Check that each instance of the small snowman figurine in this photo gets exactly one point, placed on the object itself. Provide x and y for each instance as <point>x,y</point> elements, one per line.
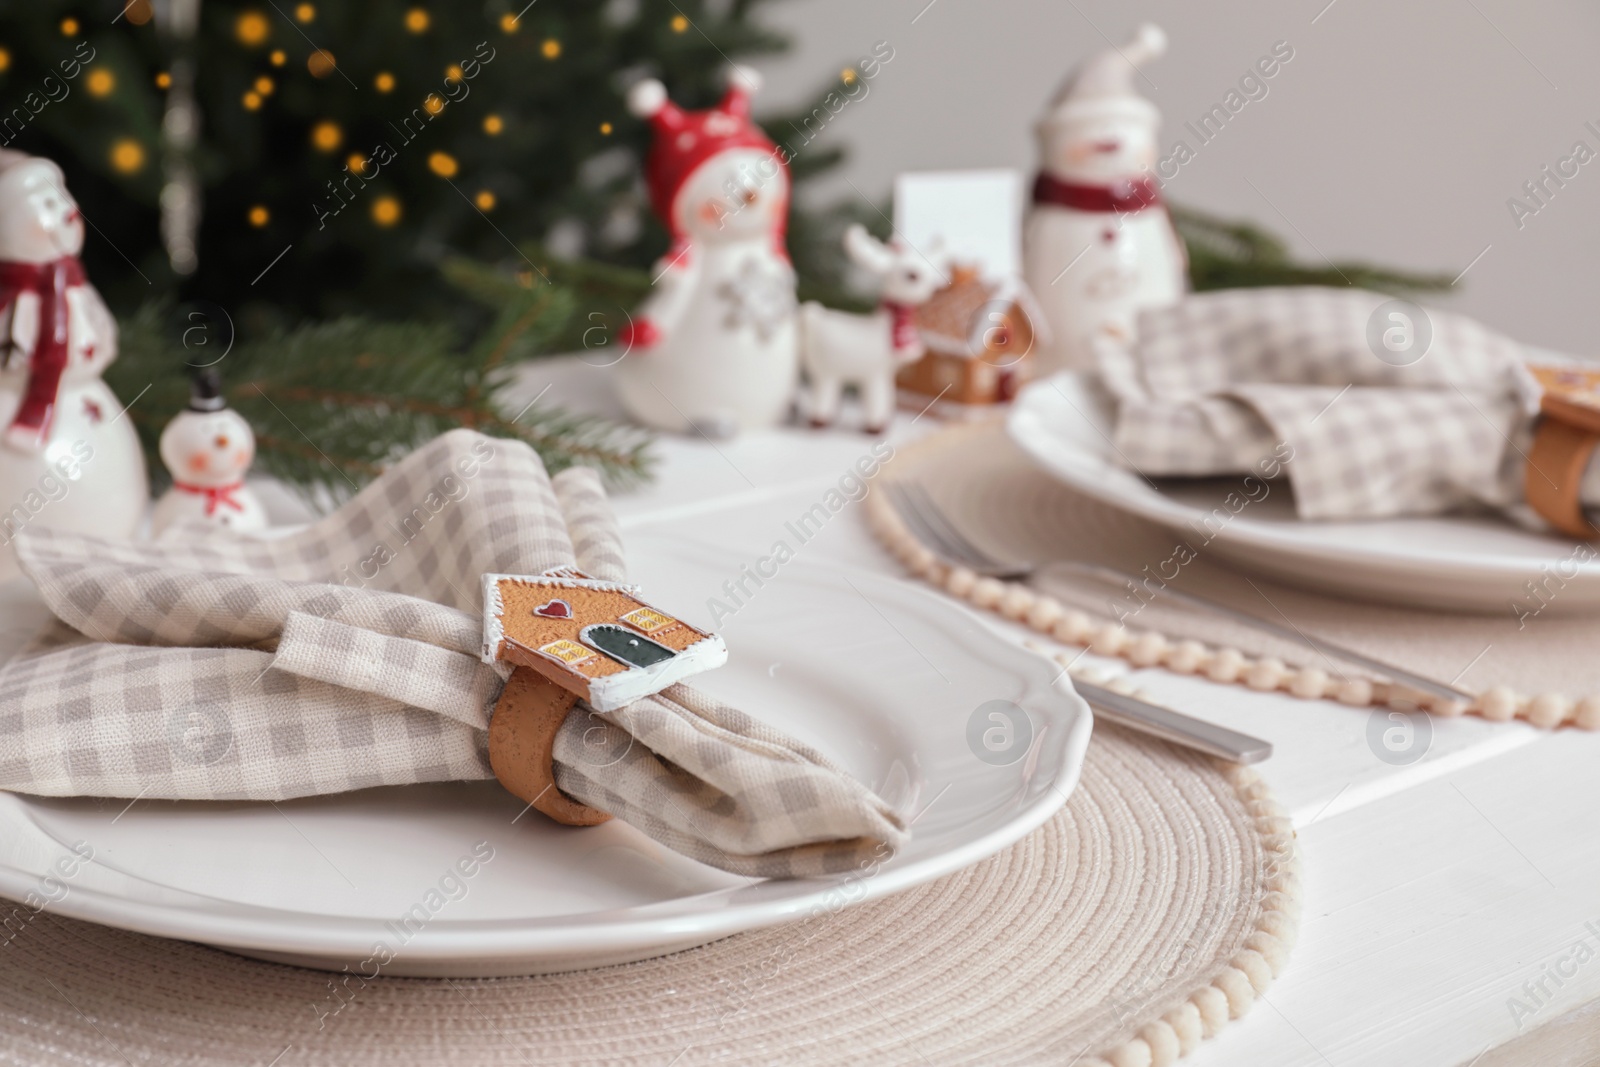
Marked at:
<point>69,460</point>
<point>714,348</point>
<point>208,449</point>
<point>1098,242</point>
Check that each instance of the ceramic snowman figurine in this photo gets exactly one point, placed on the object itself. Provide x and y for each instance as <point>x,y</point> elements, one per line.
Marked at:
<point>68,459</point>
<point>208,450</point>
<point>713,348</point>
<point>1098,242</point>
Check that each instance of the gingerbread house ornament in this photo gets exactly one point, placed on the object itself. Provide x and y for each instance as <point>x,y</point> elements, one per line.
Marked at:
<point>593,638</point>
<point>978,336</point>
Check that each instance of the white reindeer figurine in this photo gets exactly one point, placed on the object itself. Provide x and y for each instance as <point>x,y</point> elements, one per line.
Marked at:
<point>839,348</point>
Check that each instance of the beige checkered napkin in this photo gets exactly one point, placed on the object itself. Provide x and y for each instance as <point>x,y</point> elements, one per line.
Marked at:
<point>1233,381</point>
<point>345,655</point>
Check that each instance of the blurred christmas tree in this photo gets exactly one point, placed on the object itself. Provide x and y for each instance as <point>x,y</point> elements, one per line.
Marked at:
<point>363,143</point>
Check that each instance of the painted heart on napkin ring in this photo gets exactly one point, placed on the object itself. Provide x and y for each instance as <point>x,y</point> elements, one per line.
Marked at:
<point>554,609</point>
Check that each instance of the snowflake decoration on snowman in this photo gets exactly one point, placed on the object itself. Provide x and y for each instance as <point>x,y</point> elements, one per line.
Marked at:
<point>1099,244</point>
<point>208,449</point>
<point>57,417</point>
<point>713,349</point>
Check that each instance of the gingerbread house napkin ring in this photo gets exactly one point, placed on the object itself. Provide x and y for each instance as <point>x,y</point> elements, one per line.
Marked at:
<point>1563,443</point>
<point>569,636</point>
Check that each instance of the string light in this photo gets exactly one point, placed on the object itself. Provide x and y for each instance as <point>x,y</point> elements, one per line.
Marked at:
<point>509,24</point>
<point>252,100</point>
<point>305,12</point>
<point>417,20</point>
<point>493,124</point>
<point>321,63</point>
<point>551,48</point>
<point>384,81</point>
<point>100,83</point>
<point>127,156</point>
<point>138,12</point>
<point>452,73</point>
<point>848,75</point>
<point>355,163</point>
<point>5,59</point>
<point>69,27</point>
<point>605,128</point>
<point>264,85</point>
<point>251,28</point>
<point>278,57</point>
<point>433,104</point>
<point>443,164</point>
<point>679,23</point>
<point>386,211</point>
<point>484,200</point>
<point>259,216</point>
<point>163,80</point>
<point>327,136</point>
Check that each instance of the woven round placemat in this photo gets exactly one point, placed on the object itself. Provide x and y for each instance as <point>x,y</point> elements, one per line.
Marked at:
<point>1539,668</point>
<point>1141,918</point>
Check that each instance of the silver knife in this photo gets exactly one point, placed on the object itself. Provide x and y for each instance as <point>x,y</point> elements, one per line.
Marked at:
<point>1173,726</point>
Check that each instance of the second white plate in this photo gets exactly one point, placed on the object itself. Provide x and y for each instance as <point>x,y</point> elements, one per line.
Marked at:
<point>1463,564</point>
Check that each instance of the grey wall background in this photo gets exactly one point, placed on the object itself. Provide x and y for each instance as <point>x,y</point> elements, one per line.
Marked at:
<point>1396,134</point>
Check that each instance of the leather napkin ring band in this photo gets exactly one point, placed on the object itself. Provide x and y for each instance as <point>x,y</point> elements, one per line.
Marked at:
<point>522,735</point>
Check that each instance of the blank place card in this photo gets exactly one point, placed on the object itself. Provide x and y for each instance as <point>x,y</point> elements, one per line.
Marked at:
<point>976,213</point>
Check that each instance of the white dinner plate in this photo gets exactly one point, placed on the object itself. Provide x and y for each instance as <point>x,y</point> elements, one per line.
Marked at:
<point>883,676</point>
<point>1468,563</point>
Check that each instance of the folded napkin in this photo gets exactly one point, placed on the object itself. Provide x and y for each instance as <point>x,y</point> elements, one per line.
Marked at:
<point>346,655</point>
<point>1267,380</point>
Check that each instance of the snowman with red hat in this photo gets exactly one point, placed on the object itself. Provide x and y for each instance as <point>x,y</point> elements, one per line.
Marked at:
<point>1099,244</point>
<point>68,458</point>
<point>713,349</point>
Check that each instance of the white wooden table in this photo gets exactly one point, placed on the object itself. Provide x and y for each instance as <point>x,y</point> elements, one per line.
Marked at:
<point>1434,892</point>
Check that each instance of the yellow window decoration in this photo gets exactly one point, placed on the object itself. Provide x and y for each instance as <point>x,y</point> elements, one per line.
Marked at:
<point>647,619</point>
<point>568,652</point>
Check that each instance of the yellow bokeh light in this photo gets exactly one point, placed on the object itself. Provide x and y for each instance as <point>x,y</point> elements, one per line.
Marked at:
<point>264,85</point>
<point>386,211</point>
<point>305,12</point>
<point>443,164</point>
<point>259,216</point>
<point>278,57</point>
<point>69,27</point>
<point>509,24</point>
<point>384,81</point>
<point>484,200</point>
<point>138,12</point>
<point>433,104</point>
<point>327,136</point>
<point>551,48</point>
<point>605,128</point>
<point>418,20</point>
<point>452,73</point>
<point>100,83</point>
<point>679,24</point>
<point>493,124</point>
<point>252,100</point>
<point>163,80</point>
<point>251,28</point>
<point>127,156</point>
<point>848,76</point>
<point>321,63</point>
<point>355,164</point>
<point>5,59</point>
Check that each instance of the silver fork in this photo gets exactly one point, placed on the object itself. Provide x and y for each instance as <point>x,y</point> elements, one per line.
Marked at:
<point>1129,711</point>
<point>917,507</point>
